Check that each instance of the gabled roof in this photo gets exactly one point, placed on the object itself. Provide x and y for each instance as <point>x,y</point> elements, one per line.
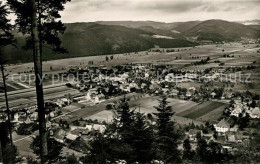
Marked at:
<point>223,123</point>
<point>71,136</point>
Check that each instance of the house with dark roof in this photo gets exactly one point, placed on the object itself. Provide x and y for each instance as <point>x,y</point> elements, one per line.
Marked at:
<point>58,134</point>
<point>222,127</point>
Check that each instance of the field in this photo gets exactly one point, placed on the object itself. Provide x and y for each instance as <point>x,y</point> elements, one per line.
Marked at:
<point>84,110</point>
<point>25,96</point>
<point>242,56</point>
<point>146,105</point>
<point>24,149</point>
<point>22,142</point>
<point>210,110</point>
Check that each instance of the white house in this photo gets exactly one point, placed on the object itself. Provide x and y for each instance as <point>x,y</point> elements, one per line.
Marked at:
<point>71,137</point>
<point>96,127</point>
<point>99,98</point>
<point>222,127</point>
<point>254,113</point>
<point>213,94</point>
<point>237,110</point>
<point>92,93</point>
<point>16,117</point>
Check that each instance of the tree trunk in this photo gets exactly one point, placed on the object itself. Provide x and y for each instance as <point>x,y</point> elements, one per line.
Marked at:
<point>38,85</point>
<point>1,152</point>
<point>7,105</point>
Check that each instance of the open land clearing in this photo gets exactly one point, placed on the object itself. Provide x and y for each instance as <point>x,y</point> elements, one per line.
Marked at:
<point>25,96</point>
<point>241,54</point>
<point>146,105</point>
<point>204,110</point>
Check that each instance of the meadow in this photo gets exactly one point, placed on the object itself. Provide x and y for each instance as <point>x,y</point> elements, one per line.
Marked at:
<point>206,111</point>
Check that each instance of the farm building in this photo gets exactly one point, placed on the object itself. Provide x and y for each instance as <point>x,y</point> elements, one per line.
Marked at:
<point>222,127</point>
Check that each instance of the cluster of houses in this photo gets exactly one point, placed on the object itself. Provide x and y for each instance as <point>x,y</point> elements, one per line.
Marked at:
<point>231,134</point>
<point>146,78</point>
<point>242,109</point>
<point>83,131</point>
<point>155,79</point>
<point>229,137</point>
<point>28,113</point>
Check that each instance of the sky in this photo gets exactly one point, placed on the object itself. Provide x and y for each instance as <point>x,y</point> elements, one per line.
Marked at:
<point>160,10</point>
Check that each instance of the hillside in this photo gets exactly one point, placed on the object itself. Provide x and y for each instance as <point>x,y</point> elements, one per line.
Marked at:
<point>94,39</point>
<point>178,26</point>
<point>250,22</point>
<point>257,27</point>
<point>184,26</point>
<point>163,32</point>
<point>219,30</point>
<point>136,24</point>
<point>86,39</point>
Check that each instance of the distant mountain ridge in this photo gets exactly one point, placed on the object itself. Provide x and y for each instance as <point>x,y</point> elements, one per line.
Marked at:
<point>250,22</point>
<point>219,30</point>
<point>179,26</point>
<point>102,38</point>
<point>89,39</point>
<point>214,30</point>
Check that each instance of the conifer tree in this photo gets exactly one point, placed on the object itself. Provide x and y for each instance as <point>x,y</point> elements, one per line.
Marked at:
<point>187,152</point>
<point>124,118</point>
<point>54,148</point>
<point>123,126</point>
<point>202,150</point>
<point>167,136</point>
<point>38,19</point>
<point>8,151</point>
<point>6,38</point>
<point>143,140</point>
<point>100,150</point>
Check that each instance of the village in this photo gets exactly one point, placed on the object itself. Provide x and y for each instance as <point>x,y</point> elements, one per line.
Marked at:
<point>129,82</point>
<point>204,100</point>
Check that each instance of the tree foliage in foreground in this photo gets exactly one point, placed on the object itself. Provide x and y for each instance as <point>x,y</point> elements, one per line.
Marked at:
<point>38,19</point>
<point>8,150</point>
<point>54,148</point>
<point>167,139</point>
<point>48,26</point>
<point>129,137</point>
<point>6,37</point>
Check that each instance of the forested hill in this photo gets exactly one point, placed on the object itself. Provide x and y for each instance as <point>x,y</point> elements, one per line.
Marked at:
<point>102,38</point>
<point>85,39</point>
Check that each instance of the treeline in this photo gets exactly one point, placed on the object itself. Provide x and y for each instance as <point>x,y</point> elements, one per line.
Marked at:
<point>173,43</point>
<point>133,137</point>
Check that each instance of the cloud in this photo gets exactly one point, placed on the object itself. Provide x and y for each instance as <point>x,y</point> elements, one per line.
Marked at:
<point>160,10</point>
